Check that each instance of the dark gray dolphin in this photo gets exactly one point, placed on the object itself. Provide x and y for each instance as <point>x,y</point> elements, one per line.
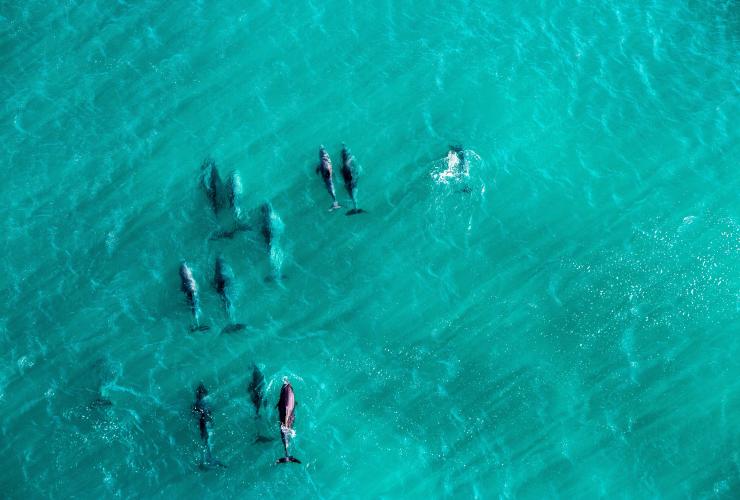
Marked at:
<point>190,289</point>
<point>212,184</point>
<point>286,409</point>
<point>350,174</point>
<point>234,194</point>
<point>202,410</point>
<point>223,280</point>
<point>105,372</point>
<point>256,389</point>
<point>324,168</point>
<point>266,228</point>
<point>457,161</point>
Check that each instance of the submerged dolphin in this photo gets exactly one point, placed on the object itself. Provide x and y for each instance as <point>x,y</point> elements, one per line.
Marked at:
<point>105,373</point>
<point>286,409</point>
<point>234,194</point>
<point>350,174</point>
<point>271,227</point>
<point>190,288</point>
<point>212,184</point>
<point>266,226</point>
<point>223,279</point>
<point>205,423</point>
<point>324,168</point>
<point>256,389</point>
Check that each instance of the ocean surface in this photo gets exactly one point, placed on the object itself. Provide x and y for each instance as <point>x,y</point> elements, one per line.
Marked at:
<point>558,319</point>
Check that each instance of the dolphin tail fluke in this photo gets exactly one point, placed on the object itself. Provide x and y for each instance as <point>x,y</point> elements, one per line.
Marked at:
<point>220,235</point>
<point>200,328</point>
<point>229,234</point>
<point>233,327</point>
<point>335,206</point>
<point>211,463</point>
<point>289,458</point>
<point>100,402</point>
<point>356,211</point>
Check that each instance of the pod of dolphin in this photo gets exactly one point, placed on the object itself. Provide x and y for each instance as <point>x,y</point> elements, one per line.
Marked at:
<point>270,227</point>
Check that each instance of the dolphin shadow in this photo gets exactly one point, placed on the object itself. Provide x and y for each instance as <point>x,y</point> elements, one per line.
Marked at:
<point>260,439</point>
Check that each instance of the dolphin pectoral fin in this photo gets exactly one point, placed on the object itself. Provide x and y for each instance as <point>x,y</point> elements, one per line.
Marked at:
<point>234,327</point>
<point>285,460</point>
<point>356,211</point>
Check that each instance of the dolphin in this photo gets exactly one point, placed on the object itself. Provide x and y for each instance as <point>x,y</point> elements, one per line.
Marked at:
<point>350,174</point>
<point>324,168</point>
<point>105,373</point>
<point>286,408</point>
<point>458,164</point>
<point>235,195</point>
<point>106,377</point>
<point>202,410</point>
<point>190,288</point>
<point>223,279</point>
<point>267,222</point>
<point>212,184</point>
<point>256,389</point>
<point>271,227</point>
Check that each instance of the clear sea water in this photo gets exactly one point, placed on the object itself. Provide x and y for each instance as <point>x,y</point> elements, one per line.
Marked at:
<point>563,322</point>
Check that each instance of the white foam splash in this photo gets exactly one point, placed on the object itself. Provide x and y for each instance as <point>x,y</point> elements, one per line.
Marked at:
<point>451,169</point>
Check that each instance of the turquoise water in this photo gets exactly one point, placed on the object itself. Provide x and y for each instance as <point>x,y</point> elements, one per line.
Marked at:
<point>561,322</point>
